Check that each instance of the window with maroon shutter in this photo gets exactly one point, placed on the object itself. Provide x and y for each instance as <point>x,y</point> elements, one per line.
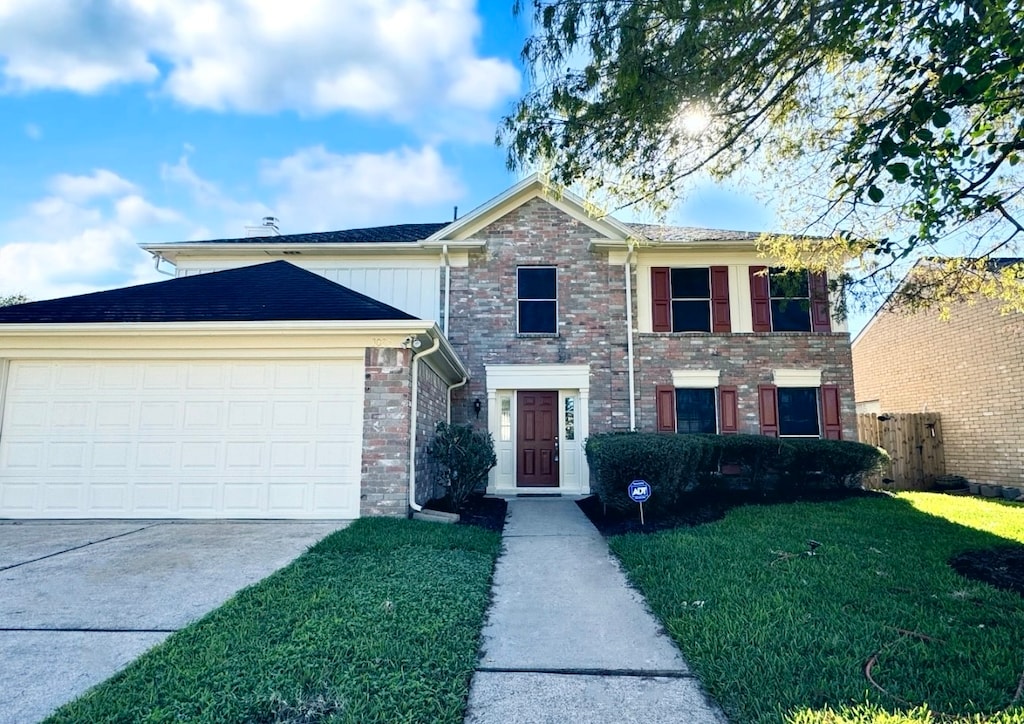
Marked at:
<point>721,320</point>
<point>768,409</point>
<point>728,413</point>
<point>661,300</point>
<point>666,408</point>
<point>821,320</point>
<point>830,412</point>
<point>759,300</point>
<point>690,299</point>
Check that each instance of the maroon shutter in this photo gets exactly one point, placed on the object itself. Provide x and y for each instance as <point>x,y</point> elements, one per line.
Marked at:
<point>666,397</point>
<point>760,303</point>
<point>720,320</point>
<point>661,299</point>
<point>821,320</point>
<point>728,417</point>
<point>833,422</point>
<point>768,407</point>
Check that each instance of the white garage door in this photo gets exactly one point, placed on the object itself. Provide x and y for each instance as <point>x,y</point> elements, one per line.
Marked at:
<point>184,439</point>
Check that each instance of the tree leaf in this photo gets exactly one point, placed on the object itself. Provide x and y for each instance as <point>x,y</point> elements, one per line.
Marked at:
<point>875,194</point>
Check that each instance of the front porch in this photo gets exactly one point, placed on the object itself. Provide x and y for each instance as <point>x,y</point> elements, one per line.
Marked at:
<point>538,416</point>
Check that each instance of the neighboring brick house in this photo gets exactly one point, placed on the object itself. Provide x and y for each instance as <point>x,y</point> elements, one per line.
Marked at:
<point>544,325</point>
<point>969,369</point>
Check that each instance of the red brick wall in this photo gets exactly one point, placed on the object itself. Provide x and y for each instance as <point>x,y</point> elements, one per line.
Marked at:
<point>970,370</point>
<point>386,430</point>
<point>591,310</point>
<point>592,328</point>
<point>746,361</point>
<point>431,409</point>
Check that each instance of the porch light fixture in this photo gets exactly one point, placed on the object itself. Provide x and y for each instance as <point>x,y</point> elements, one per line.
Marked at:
<point>476,407</point>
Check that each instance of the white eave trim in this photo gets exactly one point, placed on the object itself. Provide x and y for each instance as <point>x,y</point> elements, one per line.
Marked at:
<point>260,247</point>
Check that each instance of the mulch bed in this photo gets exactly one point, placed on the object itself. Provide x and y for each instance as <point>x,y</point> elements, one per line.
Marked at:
<point>479,510</point>
<point>702,510</point>
<point>1002,567</point>
<point>614,522</point>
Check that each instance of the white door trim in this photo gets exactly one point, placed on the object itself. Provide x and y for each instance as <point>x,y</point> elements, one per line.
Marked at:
<point>568,380</point>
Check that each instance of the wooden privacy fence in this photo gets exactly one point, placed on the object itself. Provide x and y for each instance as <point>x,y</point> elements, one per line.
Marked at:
<point>913,441</point>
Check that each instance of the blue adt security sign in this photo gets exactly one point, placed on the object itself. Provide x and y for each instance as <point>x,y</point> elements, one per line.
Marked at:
<point>639,491</point>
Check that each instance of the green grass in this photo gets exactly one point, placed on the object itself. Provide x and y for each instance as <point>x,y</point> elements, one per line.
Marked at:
<point>777,635</point>
<point>376,623</point>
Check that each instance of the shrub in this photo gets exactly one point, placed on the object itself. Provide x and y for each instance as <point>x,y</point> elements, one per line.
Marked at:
<point>463,457</point>
<point>670,463</point>
<point>679,466</point>
<point>755,458</point>
<point>828,464</point>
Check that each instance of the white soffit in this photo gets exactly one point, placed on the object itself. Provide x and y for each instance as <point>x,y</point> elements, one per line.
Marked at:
<point>796,378</point>
<point>695,378</point>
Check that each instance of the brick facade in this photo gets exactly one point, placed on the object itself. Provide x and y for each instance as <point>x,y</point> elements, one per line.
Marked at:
<point>744,361</point>
<point>431,408</point>
<point>970,370</point>
<point>591,299</point>
<point>386,429</point>
<point>592,329</point>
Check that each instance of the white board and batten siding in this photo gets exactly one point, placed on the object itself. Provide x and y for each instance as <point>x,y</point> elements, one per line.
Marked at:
<point>181,439</point>
<point>412,286</point>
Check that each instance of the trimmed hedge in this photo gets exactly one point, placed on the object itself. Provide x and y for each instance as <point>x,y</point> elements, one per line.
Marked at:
<point>679,466</point>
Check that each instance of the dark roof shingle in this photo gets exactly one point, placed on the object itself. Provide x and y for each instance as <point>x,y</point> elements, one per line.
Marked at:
<point>370,235</point>
<point>276,291</point>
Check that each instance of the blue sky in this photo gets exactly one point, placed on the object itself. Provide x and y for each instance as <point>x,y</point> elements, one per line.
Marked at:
<point>125,121</point>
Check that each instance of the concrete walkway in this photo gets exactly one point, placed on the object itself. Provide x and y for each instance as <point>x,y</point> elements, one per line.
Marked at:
<point>568,640</point>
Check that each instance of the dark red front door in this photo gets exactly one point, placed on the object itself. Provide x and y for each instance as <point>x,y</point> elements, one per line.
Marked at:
<point>537,439</point>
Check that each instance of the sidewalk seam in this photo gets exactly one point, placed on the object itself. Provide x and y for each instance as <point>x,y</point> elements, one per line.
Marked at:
<point>640,673</point>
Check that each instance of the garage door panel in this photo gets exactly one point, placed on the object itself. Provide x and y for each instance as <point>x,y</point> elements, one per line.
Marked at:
<point>267,441</point>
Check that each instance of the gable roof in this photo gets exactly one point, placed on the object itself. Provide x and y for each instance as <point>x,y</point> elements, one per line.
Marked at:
<point>276,291</point>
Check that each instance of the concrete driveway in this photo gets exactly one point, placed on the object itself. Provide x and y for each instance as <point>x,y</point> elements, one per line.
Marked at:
<point>81,599</point>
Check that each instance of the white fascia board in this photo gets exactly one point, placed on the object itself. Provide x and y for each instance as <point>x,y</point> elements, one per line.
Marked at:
<point>515,196</point>
<point>171,252</point>
<point>361,327</point>
<point>18,340</point>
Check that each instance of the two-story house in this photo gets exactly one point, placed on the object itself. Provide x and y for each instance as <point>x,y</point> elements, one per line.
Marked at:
<point>308,387</point>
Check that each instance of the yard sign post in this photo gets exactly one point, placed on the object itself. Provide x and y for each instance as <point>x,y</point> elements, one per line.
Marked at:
<point>639,491</point>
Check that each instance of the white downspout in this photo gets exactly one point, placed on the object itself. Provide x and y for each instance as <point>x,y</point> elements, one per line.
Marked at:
<point>447,296</point>
<point>456,386</point>
<point>629,334</point>
<point>156,265</point>
<point>414,420</point>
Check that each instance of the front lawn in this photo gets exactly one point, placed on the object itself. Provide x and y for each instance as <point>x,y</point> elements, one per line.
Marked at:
<point>376,623</point>
<point>873,625</point>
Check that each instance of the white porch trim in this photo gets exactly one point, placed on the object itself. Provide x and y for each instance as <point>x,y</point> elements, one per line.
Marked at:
<point>503,382</point>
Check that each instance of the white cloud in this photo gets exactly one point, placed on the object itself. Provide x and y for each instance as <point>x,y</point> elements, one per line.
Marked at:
<point>102,183</point>
<point>81,237</point>
<point>322,190</point>
<point>390,57</point>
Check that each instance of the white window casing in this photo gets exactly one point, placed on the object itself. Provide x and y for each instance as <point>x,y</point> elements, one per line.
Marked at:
<point>796,378</point>
<point>703,379</point>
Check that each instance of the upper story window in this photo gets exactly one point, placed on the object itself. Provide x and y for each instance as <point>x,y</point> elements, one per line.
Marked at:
<point>789,301</point>
<point>537,292</point>
<point>790,298</point>
<point>690,299</point>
